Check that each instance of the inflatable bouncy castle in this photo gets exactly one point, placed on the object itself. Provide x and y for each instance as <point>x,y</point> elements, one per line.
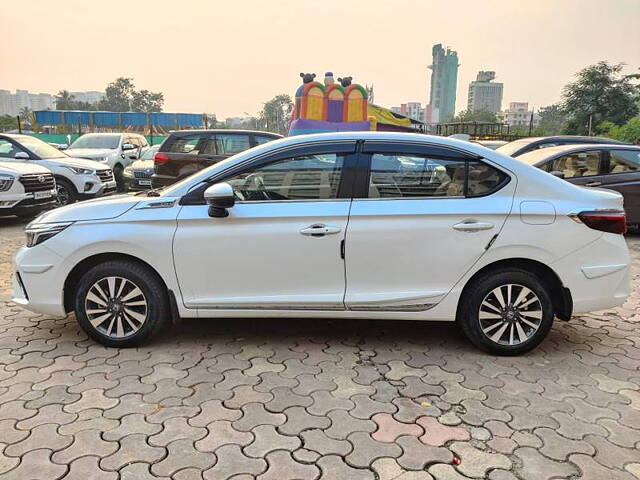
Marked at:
<point>330,107</point>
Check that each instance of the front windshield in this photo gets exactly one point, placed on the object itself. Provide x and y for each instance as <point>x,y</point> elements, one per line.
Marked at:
<point>148,155</point>
<point>40,148</point>
<point>97,141</point>
<point>512,147</point>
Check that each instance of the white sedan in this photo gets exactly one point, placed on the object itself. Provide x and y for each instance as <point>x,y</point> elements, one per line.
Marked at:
<point>347,225</point>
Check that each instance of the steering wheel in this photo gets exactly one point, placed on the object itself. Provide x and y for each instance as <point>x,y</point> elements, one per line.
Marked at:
<point>255,183</point>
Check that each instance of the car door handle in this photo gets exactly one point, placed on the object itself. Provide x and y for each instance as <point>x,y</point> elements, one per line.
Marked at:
<point>320,230</point>
<point>472,226</point>
<point>593,184</point>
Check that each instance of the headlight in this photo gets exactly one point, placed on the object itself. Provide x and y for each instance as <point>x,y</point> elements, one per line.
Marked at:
<point>81,171</point>
<point>39,232</point>
<point>5,182</point>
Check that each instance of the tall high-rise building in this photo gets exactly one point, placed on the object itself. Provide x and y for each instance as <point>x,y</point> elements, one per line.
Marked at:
<point>485,94</point>
<point>12,103</point>
<point>444,81</point>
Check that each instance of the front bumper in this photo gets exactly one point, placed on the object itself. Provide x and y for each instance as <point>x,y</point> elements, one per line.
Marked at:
<point>25,203</point>
<point>137,184</point>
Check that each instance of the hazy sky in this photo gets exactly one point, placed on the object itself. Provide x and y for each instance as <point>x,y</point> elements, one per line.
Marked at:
<point>228,57</point>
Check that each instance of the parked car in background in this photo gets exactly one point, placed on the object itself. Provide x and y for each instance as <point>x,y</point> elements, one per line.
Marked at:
<point>76,178</point>
<point>26,188</point>
<point>492,144</point>
<point>137,176</point>
<point>116,150</point>
<point>344,225</point>
<point>185,152</point>
<point>524,145</point>
<point>608,166</point>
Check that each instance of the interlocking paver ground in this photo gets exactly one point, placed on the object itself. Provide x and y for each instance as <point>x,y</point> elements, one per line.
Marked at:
<point>316,399</point>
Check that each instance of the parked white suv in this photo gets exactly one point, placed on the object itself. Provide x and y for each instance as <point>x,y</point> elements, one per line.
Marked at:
<point>343,225</point>
<point>117,150</point>
<point>26,189</point>
<point>76,178</point>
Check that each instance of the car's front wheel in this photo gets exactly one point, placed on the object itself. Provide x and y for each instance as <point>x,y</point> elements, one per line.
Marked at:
<point>507,312</point>
<point>65,192</point>
<point>121,303</point>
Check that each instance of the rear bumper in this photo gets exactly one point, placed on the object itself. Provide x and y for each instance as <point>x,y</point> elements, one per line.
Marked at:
<point>597,275</point>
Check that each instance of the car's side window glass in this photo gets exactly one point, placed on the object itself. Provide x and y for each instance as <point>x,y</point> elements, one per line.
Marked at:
<point>405,176</point>
<point>624,161</point>
<point>7,149</point>
<point>184,144</point>
<point>229,144</point>
<point>309,177</point>
<point>260,140</point>
<point>483,179</point>
<point>581,164</point>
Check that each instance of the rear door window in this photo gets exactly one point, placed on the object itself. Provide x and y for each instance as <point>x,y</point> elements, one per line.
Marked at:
<point>624,161</point>
<point>230,144</point>
<point>191,144</point>
<point>579,164</point>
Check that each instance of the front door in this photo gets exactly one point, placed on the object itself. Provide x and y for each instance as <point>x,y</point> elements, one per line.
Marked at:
<point>280,245</point>
<point>429,215</point>
<point>622,173</point>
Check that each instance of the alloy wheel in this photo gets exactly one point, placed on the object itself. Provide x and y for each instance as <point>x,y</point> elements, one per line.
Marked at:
<point>510,314</point>
<point>116,307</point>
<point>62,195</point>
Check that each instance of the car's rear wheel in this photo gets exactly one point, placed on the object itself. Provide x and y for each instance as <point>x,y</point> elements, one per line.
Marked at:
<point>65,192</point>
<point>121,303</point>
<point>507,312</point>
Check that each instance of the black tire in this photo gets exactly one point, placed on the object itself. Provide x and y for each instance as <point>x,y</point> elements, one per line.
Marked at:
<point>118,175</point>
<point>517,320</point>
<point>66,192</point>
<point>154,293</point>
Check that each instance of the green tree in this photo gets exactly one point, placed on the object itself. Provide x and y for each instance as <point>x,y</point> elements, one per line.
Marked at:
<point>26,115</point>
<point>8,122</point>
<point>64,100</point>
<point>600,93</point>
<point>118,95</point>
<point>146,101</point>
<point>469,115</point>
<point>552,120</point>
<point>276,114</point>
<point>629,132</point>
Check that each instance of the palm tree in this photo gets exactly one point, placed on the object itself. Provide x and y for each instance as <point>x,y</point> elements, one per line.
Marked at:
<point>26,115</point>
<point>64,100</point>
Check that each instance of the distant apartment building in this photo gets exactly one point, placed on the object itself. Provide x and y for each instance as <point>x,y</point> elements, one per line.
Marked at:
<point>12,103</point>
<point>91,97</point>
<point>518,115</point>
<point>485,94</point>
<point>444,81</point>
<point>412,110</point>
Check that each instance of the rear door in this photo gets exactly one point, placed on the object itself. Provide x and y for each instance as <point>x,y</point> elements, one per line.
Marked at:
<point>622,173</point>
<point>425,215</point>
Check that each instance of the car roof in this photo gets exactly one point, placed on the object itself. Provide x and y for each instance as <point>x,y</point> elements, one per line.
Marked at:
<point>584,146</point>
<point>225,130</point>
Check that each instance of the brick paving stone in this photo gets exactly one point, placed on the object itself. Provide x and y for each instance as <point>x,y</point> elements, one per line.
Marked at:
<point>87,468</point>
<point>389,428</point>
<point>591,470</point>
<point>324,402</point>
<point>231,461</point>
<point>42,436</point>
<point>619,434</point>
<point>611,385</point>
<point>88,420</point>
<point>267,439</point>
<point>334,467</point>
<point>571,427</point>
<point>87,441</point>
<point>47,414</point>
<point>409,410</point>
<point>36,465</point>
<point>306,456</point>
<point>347,388</point>
<point>436,434</point>
<point>502,475</point>
<point>213,410</point>
<point>610,455</point>
<point>176,429</point>
<point>58,394</point>
<point>182,454</point>
<point>533,463</point>
<point>440,471</point>
<point>261,365</point>
<point>188,474</point>
<point>298,419</point>
<point>9,433</point>
<point>559,448</point>
<point>93,398</point>
<point>366,450</point>
<point>284,397</point>
<point>365,407</point>
<point>475,463</point>
<point>633,469</point>
<point>416,455</point>
<point>131,424</point>
<point>282,465</point>
<point>343,424</point>
<point>247,394</point>
<point>526,439</point>
<point>7,463</point>
<point>221,432</point>
<point>502,445</point>
<point>125,385</point>
<point>161,414</point>
<point>478,412</point>
<point>400,370</point>
<point>416,387</point>
<point>308,384</point>
<point>133,448</point>
<point>525,419</point>
<point>254,415</point>
<point>318,441</point>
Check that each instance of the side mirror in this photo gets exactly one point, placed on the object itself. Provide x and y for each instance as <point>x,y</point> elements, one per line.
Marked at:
<point>21,156</point>
<point>557,173</point>
<point>128,146</point>
<point>219,197</point>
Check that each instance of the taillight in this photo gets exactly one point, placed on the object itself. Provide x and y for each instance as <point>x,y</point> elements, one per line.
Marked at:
<point>612,221</point>
<point>161,158</point>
